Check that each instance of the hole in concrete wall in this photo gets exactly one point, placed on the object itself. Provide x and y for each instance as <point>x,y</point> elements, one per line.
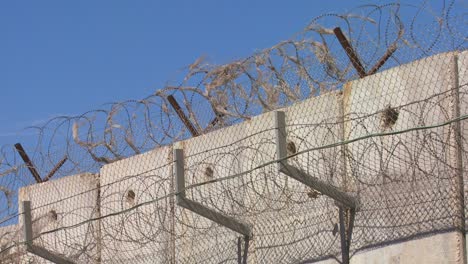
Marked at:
<point>313,194</point>
<point>291,148</point>
<point>389,117</point>
<point>130,197</point>
<point>53,215</point>
<point>209,172</point>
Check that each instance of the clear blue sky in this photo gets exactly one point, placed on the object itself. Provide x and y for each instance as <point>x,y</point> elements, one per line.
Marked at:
<point>67,57</point>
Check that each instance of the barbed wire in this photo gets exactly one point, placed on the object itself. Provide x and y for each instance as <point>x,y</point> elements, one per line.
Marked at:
<point>338,142</point>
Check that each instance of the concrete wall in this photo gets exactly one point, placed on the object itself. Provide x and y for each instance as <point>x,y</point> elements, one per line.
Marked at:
<point>141,235</point>
<point>264,198</point>
<point>442,248</point>
<point>9,238</point>
<point>463,91</point>
<point>62,203</point>
<point>209,157</point>
<point>285,205</point>
<point>407,183</point>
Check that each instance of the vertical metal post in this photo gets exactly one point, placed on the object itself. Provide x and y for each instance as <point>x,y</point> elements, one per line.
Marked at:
<point>179,172</point>
<point>350,226</point>
<point>27,224</point>
<point>346,216</point>
<point>343,235</point>
<point>239,250</point>
<point>280,125</point>
<point>246,249</point>
<point>458,145</point>
<point>172,222</point>
<point>242,257</point>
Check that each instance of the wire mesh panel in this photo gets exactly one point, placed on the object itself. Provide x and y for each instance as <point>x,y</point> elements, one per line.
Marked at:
<point>212,158</point>
<point>406,182</point>
<point>462,64</point>
<point>12,252</point>
<point>62,211</point>
<point>395,148</point>
<point>138,209</point>
<point>311,124</point>
<point>375,106</point>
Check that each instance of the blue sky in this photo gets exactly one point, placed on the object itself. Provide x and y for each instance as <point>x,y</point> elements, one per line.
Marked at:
<point>68,57</point>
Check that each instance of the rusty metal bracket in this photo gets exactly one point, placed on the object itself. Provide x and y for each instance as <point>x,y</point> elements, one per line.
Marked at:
<point>182,116</point>
<point>55,169</point>
<point>32,169</point>
<point>352,55</point>
<point>384,59</point>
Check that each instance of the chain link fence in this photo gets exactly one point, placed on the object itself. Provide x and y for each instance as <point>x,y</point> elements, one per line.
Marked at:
<point>377,114</point>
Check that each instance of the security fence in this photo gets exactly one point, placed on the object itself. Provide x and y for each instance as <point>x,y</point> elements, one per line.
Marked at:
<point>343,139</point>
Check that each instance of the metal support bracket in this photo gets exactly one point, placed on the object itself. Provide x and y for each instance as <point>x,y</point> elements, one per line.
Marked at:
<point>347,203</point>
<point>32,169</point>
<point>182,116</point>
<point>198,208</point>
<point>353,57</point>
<point>242,258</point>
<point>346,216</point>
<point>55,169</point>
<point>29,164</point>
<point>28,238</point>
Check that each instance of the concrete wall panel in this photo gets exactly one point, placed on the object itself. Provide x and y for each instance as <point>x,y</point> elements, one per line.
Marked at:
<point>285,205</point>
<point>138,234</point>
<point>211,157</point>
<point>463,92</point>
<point>62,203</point>
<point>405,181</point>
<point>441,248</point>
<point>11,251</point>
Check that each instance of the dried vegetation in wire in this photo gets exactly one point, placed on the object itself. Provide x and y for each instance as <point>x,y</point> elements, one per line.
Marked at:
<point>382,144</point>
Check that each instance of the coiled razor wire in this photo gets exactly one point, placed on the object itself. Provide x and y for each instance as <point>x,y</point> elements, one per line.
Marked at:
<point>309,65</point>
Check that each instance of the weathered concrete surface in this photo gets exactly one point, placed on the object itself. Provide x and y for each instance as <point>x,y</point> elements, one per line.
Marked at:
<point>10,236</point>
<point>442,248</point>
<point>263,185</point>
<point>284,204</point>
<point>209,157</point>
<point>140,235</point>
<point>62,203</point>
<point>406,182</point>
<point>463,92</point>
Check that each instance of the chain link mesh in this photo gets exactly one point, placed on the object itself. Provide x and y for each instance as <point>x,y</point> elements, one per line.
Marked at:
<point>394,139</point>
